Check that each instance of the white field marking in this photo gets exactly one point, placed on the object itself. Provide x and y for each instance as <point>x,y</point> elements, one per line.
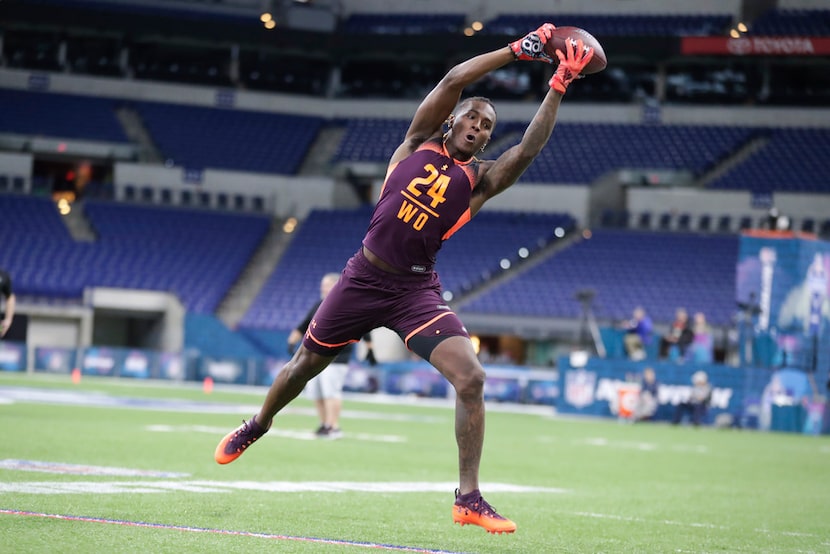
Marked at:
<point>633,519</point>
<point>9,395</point>
<point>213,487</point>
<point>270,536</point>
<point>79,469</point>
<point>644,446</point>
<point>281,433</point>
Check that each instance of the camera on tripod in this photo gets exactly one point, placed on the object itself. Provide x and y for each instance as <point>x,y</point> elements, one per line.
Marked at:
<point>585,295</point>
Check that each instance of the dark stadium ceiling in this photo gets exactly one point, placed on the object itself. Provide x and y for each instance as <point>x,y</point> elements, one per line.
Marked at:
<point>225,23</point>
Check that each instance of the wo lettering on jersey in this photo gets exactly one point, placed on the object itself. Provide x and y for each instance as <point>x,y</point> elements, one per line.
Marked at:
<point>414,209</point>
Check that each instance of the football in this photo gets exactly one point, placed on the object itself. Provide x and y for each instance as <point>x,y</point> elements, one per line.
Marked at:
<point>557,42</point>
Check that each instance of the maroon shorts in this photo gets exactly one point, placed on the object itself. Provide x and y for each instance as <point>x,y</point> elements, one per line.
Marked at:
<point>367,297</point>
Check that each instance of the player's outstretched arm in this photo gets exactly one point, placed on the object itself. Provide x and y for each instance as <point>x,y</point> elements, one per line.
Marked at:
<point>509,166</point>
<point>439,103</point>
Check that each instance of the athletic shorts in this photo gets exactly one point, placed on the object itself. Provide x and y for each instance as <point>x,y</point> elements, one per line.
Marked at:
<point>367,297</point>
<point>328,383</point>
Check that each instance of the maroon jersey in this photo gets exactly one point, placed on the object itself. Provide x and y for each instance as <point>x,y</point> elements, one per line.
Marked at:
<point>424,200</point>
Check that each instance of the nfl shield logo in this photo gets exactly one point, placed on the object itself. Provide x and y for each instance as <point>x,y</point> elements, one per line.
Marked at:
<point>579,387</point>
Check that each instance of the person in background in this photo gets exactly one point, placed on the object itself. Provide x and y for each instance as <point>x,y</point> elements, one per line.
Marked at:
<point>680,335</point>
<point>647,399</point>
<point>7,314</point>
<point>698,401</point>
<point>326,388</point>
<point>638,334</point>
<point>702,349</point>
<point>435,184</point>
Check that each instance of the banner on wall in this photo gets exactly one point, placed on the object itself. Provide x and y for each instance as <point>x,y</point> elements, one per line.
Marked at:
<point>225,370</point>
<point>12,356</point>
<point>99,361</point>
<point>171,366</point>
<point>137,364</point>
<point>595,389</point>
<point>786,279</point>
<point>53,359</point>
<point>755,46</point>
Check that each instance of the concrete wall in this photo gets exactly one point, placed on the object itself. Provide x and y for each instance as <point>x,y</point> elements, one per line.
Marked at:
<point>720,202</point>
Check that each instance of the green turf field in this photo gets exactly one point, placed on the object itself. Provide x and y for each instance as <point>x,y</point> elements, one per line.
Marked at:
<point>120,472</point>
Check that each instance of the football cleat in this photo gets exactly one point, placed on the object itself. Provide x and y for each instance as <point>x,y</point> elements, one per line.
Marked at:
<point>237,441</point>
<point>473,509</point>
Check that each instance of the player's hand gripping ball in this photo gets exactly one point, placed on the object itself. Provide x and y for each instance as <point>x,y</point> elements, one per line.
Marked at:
<point>558,41</point>
<point>532,45</point>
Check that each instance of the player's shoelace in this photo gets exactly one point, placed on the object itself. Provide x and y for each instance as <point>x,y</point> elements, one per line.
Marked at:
<point>244,437</point>
<point>481,506</point>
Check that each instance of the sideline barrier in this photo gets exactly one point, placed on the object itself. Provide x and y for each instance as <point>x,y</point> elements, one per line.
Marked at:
<point>12,356</point>
<point>776,400</point>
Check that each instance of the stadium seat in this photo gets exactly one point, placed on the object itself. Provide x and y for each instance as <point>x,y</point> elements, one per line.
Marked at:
<point>18,184</point>
<point>808,225</point>
<point>644,221</point>
<point>148,194</point>
<point>664,224</point>
<point>704,224</point>
<point>657,270</point>
<point>166,196</point>
<point>724,224</point>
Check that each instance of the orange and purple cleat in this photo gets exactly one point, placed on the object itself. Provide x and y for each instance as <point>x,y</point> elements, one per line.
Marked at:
<point>237,441</point>
<point>473,509</point>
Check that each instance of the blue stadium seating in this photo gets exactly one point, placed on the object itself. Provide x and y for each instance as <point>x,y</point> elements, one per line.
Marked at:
<point>199,137</point>
<point>475,252</point>
<point>196,255</point>
<point>608,146</point>
<point>615,146</point>
<point>59,116</point>
<point>471,255</point>
<point>801,23</point>
<point>659,271</point>
<point>370,139</point>
<point>794,160</point>
<point>323,244</point>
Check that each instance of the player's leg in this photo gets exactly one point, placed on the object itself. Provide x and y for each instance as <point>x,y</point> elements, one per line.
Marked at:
<point>446,345</point>
<point>331,390</point>
<point>455,359</point>
<point>288,384</point>
<point>314,393</point>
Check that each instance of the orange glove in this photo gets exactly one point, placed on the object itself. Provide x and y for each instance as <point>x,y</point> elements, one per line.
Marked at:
<point>532,45</point>
<point>570,65</point>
